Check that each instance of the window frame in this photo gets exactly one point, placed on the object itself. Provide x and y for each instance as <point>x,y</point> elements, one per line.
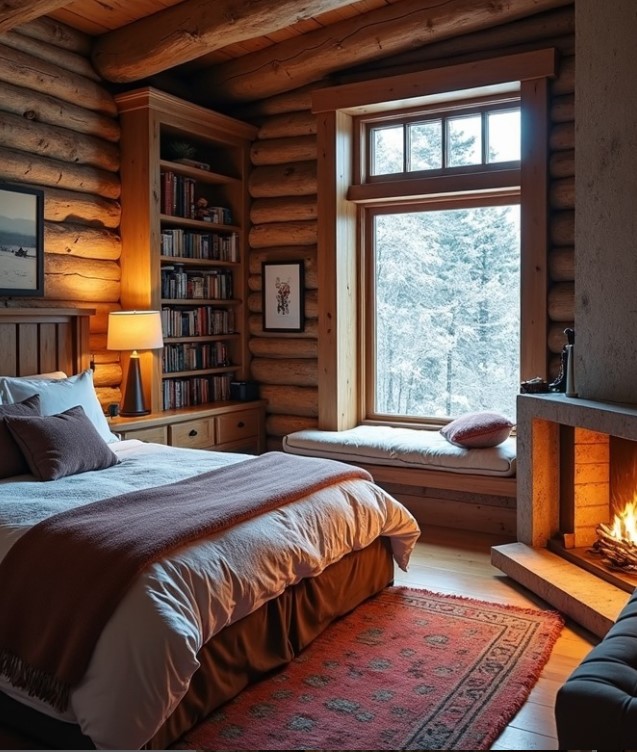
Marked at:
<point>367,347</point>
<point>339,379</point>
<point>365,125</point>
<point>425,190</point>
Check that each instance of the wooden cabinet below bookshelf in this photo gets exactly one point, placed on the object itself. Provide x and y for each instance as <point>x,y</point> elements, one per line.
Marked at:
<point>228,426</point>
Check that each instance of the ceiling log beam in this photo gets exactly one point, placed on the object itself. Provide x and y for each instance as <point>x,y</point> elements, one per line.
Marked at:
<point>16,12</point>
<point>395,28</point>
<point>186,31</point>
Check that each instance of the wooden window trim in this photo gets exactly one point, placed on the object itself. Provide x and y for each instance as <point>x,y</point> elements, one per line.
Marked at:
<point>340,401</point>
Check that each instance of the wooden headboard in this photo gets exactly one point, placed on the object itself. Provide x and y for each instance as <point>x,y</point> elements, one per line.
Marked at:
<point>37,340</point>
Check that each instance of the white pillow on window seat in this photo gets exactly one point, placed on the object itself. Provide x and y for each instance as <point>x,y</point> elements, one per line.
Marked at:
<point>58,395</point>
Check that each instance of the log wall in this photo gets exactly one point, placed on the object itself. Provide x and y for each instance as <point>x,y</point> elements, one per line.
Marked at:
<point>283,187</point>
<point>59,132</point>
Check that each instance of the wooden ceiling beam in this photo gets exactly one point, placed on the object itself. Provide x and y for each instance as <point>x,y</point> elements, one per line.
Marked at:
<point>193,28</point>
<point>402,26</point>
<point>16,12</point>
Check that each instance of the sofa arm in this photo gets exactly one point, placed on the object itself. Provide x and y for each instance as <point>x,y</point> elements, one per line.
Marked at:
<point>596,708</point>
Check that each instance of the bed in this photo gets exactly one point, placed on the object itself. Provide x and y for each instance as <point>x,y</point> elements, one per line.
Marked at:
<point>209,617</point>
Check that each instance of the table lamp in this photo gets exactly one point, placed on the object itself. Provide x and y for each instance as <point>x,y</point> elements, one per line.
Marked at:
<point>134,330</point>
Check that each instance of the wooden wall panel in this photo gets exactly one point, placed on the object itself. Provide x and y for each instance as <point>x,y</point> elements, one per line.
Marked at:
<point>59,132</point>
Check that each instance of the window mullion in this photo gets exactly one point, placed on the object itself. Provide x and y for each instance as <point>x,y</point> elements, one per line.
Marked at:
<point>406,147</point>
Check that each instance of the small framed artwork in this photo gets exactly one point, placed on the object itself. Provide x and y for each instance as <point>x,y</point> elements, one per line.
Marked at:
<point>21,240</point>
<point>283,296</point>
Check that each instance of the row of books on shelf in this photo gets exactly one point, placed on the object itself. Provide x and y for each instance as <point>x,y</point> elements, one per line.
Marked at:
<point>193,357</point>
<point>178,282</point>
<point>200,321</point>
<point>213,246</point>
<point>178,200</point>
<point>196,390</point>
<point>178,195</point>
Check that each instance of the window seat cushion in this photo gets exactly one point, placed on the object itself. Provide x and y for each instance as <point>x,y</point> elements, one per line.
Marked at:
<point>403,447</point>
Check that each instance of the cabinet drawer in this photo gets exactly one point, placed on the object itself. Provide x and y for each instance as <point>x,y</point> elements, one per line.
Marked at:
<point>193,434</point>
<point>156,435</point>
<point>236,426</point>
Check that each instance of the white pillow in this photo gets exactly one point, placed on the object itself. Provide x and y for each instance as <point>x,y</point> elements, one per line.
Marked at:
<point>49,375</point>
<point>58,395</point>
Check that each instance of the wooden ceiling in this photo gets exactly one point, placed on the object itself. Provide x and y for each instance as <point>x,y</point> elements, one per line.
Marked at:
<point>238,51</point>
<point>96,17</point>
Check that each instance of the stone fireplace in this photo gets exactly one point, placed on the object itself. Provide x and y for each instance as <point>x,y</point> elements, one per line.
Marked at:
<point>576,469</point>
<point>554,504</point>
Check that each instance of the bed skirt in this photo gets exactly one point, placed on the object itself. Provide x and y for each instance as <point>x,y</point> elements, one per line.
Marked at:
<point>243,652</point>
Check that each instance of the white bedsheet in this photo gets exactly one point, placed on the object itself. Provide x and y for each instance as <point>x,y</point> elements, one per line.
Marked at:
<point>147,653</point>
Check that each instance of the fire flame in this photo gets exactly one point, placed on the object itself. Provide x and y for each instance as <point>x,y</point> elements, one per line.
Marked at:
<point>624,524</point>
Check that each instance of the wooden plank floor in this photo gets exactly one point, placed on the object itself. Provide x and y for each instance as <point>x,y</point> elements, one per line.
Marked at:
<point>453,561</point>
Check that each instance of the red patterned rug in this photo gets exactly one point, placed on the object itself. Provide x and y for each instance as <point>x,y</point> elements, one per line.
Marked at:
<point>408,669</point>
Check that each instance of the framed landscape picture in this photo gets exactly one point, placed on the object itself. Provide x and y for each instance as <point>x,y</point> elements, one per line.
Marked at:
<point>21,240</point>
<point>283,296</point>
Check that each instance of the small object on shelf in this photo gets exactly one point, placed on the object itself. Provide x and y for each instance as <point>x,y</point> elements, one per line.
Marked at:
<point>220,215</point>
<point>244,391</point>
<point>559,384</point>
<point>536,385</point>
<point>183,152</point>
<point>193,163</point>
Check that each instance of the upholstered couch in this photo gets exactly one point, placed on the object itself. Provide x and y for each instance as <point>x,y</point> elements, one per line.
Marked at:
<point>596,708</point>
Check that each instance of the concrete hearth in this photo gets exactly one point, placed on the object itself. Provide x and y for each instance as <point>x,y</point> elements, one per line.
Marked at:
<point>583,596</point>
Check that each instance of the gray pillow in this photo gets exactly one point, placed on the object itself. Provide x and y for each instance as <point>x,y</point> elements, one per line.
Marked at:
<point>58,445</point>
<point>12,461</point>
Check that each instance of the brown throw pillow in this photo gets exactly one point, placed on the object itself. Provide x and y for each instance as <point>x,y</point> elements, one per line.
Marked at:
<point>478,430</point>
<point>12,461</point>
<point>58,445</point>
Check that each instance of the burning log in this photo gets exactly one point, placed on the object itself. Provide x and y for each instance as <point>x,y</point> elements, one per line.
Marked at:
<point>616,553</point>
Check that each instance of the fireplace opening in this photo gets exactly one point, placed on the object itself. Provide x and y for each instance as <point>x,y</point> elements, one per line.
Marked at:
<point>598,505</point>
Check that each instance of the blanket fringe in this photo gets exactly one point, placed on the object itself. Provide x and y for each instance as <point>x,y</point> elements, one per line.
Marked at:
<point>36,682</point>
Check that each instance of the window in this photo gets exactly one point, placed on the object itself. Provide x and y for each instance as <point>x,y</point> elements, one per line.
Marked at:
<point>443,268</point>
<point>350,198</point>
<point>486,137</point>
<point>445,286</point>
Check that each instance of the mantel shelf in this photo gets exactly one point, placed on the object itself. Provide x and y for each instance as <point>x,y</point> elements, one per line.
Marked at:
<point>613,418</point>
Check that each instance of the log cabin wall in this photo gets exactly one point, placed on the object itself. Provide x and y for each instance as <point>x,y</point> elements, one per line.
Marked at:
<point>59,132</point>
<point>283,188</point>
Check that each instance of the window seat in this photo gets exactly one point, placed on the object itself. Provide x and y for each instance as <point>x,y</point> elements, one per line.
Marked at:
<point>413,457</point>
<point>441,484</point>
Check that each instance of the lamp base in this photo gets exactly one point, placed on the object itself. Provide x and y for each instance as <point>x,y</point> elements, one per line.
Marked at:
<point>133,404</point>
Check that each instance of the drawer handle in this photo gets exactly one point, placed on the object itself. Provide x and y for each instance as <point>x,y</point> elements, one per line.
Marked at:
<point>192,433</point>
<point>240,424</point>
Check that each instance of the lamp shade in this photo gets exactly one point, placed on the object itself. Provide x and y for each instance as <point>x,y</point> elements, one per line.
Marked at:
<point>134,330</point>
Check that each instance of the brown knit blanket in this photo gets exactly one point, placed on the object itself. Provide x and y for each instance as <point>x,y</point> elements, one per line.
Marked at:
<point>62,580</point>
